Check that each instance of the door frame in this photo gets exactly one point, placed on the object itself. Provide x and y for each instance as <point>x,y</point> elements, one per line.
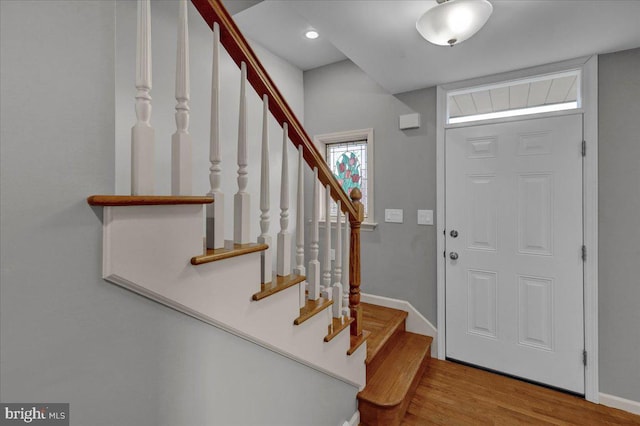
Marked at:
<point>589,82</point>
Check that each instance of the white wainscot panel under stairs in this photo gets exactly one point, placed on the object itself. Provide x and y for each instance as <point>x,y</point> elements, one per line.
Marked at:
<point>148,249</point>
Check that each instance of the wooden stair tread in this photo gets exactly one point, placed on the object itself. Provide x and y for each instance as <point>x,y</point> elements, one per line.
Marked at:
<point>146,200</point>
<point>337,325</point>
<point>392,382</point>
<point>383,323</point>
<point>278,283</point>
<point>356,341</point>
<point>214,255</point>
<point>311,308</point>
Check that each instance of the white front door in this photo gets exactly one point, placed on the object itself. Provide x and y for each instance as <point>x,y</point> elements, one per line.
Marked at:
<point>514,294</point>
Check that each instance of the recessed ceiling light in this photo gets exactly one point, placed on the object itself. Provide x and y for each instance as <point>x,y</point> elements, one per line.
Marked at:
<point>311,34</point>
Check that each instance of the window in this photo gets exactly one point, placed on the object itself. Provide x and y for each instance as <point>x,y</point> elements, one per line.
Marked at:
<point>350,158</point>
<point>348,162</point>
<point>535,95</point>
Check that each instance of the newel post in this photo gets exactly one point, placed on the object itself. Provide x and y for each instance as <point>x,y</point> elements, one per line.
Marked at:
<point>354,264</point>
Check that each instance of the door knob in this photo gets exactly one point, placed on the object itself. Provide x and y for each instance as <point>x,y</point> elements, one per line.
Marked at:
<point>453,233</point>
<point>453,255</point>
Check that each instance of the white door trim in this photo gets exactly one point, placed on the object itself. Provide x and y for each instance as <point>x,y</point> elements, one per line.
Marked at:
<point>589,66</point>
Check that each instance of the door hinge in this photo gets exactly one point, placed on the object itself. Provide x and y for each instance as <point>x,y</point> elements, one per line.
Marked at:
<point>584,357</point>
<point>584,253</point>
<point>584,148</point>
<point>444,254</point>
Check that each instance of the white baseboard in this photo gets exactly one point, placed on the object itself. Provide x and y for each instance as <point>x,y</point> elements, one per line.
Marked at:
<point>354,420</point>
<point>416,322</point>
<point>620,403</point>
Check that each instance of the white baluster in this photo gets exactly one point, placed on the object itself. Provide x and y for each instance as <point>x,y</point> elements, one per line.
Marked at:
<point>265,238</point>
<point>284,237</point>
<point>337,275</point>
<point>241,223</point>
<point>215,210</point>
<point>326,274</point>
<point>300,269</point>
<point>142,134</point>
<point>313,277</point>
<point>345,268</point>
<point>181,139</point>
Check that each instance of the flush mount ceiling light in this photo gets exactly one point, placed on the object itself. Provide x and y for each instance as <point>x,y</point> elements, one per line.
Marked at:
<point>453,21</point>
<point>311,34</point>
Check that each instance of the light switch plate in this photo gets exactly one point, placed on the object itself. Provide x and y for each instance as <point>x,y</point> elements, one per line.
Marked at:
<point>393,215</point>
<point>425,217</point>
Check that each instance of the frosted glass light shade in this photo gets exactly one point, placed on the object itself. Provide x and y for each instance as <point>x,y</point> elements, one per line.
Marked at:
<point>453,21</point>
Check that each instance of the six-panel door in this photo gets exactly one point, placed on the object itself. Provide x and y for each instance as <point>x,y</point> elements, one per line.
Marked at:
<point>514,295</point>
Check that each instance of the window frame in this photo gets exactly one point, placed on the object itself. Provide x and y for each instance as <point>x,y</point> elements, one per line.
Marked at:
<point>325,139</point>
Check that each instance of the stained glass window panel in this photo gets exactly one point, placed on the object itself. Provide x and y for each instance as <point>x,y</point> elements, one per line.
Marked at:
<point>348,162</point>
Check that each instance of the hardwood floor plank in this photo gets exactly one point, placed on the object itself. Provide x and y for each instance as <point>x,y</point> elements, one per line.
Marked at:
<point>455,394</point>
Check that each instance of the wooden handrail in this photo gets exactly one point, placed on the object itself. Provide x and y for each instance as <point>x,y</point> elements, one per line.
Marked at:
<point>240,51</point>
<point>238,48</point>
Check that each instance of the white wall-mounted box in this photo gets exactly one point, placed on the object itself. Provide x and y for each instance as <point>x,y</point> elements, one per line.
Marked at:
<point>409,121</point>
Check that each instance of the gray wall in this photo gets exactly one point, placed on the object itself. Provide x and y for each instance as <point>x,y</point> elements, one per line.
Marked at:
<point>66,335</point>
<point>398,260</point>
<point>619,223</point>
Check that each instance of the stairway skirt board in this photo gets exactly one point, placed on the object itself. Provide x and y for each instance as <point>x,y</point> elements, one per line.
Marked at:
<point>147,249</point>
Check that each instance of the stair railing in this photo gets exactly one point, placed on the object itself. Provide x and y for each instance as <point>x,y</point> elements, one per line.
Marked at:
<point>226,34</point>
<point>238,48</point>
<point>215,14</point>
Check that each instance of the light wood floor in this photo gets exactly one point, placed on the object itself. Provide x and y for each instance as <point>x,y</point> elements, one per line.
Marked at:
<point>454,394</point>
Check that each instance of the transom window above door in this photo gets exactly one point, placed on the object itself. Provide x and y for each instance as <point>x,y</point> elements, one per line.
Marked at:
<point>534,95</point>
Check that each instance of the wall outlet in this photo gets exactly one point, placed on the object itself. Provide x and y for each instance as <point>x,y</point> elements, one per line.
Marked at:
<point>425,217</point>
<point>393,215</point>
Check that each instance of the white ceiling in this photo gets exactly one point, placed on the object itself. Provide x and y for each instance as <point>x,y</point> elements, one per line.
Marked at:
<point>380,36</point>
<point>279,28</point>
<point>236,6</point>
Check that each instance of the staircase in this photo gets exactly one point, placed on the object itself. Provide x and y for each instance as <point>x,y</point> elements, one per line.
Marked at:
<point>171,248</point>
<point>396,360</point>
<point>152,245</point>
